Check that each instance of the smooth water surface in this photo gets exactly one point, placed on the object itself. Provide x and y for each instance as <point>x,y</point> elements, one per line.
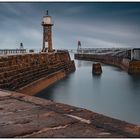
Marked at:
<point>115,93</point>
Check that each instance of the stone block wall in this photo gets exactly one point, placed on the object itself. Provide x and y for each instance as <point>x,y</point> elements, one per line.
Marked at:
<point>17,71</point>
<point>131,66</point>
<point>134,67</point>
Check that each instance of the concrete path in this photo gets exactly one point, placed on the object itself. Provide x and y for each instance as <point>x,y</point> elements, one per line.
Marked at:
<point>27,116</point>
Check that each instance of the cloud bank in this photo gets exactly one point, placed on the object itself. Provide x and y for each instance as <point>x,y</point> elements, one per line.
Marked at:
<point>94,24</point>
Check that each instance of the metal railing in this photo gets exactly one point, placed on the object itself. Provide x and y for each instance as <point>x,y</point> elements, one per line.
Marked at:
<point>12,51</point>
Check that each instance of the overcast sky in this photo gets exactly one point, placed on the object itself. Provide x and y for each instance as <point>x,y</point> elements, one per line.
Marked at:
<point>94,24</point>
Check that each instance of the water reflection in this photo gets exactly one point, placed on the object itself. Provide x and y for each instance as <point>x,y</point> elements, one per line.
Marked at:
<point>79,64</point>
<point>135,82</point>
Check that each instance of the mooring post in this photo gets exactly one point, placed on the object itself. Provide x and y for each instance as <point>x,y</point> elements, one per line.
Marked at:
<point>96,68</point>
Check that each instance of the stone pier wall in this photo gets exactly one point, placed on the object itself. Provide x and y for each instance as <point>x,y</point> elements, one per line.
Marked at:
<point>42,83</point>
<point>24,116</point>
<point>132,67</point>
<point>18,71</point>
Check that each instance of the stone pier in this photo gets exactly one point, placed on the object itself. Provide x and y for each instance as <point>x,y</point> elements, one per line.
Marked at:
<point>131,66</point>
<point>32,72</point>
<point>24,116</point>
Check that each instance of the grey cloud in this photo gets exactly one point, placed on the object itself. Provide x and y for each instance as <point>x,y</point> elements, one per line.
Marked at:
<point>92,23</point>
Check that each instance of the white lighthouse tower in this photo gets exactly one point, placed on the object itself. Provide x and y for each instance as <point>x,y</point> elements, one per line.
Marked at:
<point>47,33</point>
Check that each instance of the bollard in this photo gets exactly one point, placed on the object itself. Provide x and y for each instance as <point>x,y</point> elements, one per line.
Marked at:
<point>96,68</point>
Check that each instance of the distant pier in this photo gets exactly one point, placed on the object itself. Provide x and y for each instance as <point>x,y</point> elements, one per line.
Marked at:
<point>126,59</point>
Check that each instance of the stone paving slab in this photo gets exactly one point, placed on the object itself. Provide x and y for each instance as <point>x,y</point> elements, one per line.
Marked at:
<point>27,116</point>
<point>73,130</point>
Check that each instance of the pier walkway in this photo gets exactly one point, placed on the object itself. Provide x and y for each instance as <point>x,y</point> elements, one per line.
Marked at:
<point>27,116</point>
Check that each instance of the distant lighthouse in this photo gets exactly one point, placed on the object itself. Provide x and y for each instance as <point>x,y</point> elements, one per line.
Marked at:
<point>47,33</point>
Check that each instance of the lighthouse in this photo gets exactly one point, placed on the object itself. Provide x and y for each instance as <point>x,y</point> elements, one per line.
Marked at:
<point>47,33</point>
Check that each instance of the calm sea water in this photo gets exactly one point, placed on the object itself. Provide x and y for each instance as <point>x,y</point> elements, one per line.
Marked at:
<point>115,93</point>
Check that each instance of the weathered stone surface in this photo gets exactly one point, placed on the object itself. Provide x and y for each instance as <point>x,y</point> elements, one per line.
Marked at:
<point>4,94</point>
<point>73,131</point>
<point>33,123</point>
<point>42,83</point>
<point>63,108</point>
<point>27,116</point>
<point>31,99</point>
<point>108,123</point>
